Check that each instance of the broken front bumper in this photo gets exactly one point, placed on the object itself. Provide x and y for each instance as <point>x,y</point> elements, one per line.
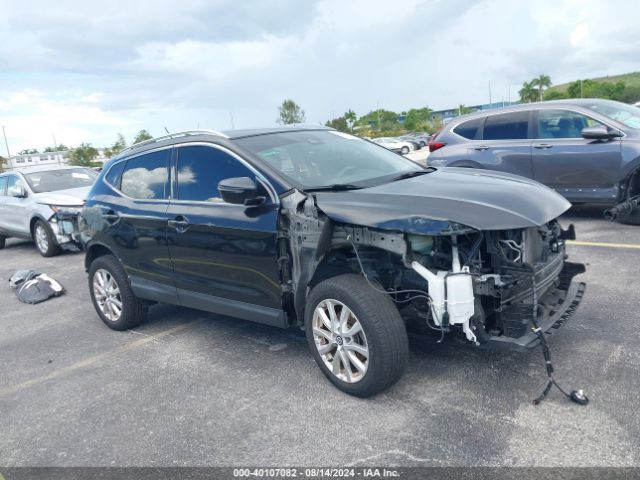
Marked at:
<point>65,229</point>
<point>549,320</point>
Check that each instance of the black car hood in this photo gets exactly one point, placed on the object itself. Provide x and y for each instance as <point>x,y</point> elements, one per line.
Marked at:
<point>445,200</point>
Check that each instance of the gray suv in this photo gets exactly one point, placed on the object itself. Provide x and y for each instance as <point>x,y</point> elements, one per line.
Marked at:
<point>43,203</point>
<point>588,150</point>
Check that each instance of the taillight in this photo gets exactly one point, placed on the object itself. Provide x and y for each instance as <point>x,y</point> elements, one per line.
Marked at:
<point>433,146</point>
<point>433,141</point>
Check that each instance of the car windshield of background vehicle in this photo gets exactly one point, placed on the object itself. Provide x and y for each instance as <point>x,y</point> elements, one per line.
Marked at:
<point>625,114</point>
<point>315,159</point>
<point>54,180</point>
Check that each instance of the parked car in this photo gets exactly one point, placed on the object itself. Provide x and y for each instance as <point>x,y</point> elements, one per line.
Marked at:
<point>42,203</point>
<point>316,229</point>
<point>395,145</point>
<point>422,138</point>
<point>587,150</point>
<point>407,138</point>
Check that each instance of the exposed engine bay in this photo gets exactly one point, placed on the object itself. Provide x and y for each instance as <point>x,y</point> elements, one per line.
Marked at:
<point>484,287</point>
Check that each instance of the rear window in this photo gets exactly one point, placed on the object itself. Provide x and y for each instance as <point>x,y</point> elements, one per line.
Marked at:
<point>470,129</point>
<point>145,177</point>
<point>507,126</point>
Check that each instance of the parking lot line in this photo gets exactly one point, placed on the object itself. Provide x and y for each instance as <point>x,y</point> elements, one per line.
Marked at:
<point>94,359</point>
<point>604,244</point>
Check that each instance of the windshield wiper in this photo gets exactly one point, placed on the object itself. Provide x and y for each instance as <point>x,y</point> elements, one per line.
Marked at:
<point>414,173</point>
<point>336,187</point>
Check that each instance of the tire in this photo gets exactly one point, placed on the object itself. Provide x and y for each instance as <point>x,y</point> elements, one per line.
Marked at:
<point>45,240</point>
<point>632,219</point>
<point>105,299</point>
<point>3,240</point>
<point>404,150</point>
<point>383,335</point>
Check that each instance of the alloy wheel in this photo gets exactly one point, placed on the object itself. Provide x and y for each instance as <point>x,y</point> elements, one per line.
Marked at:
<point>107,294</point>
<point>340,340</point>
<point>42,240</point>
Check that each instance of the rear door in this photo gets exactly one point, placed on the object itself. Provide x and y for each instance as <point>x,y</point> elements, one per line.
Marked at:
<point>580,169</point>
<point>505,144</point>
<point>135,222</point>
<point>221,252</point>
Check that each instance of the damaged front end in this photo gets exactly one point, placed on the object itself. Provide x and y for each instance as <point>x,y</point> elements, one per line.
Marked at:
<point>487,287</point>
<point>64,225</point>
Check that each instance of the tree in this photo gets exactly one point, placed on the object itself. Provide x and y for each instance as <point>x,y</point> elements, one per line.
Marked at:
<point>83,155</point>
<point>290,112</point>
<point>116,148</point>
<point>463,110</point>
<point>340,124</point>
<point>142,136</point>
<point>417,118</point>
<point>528,92</point>
<point>28,151</point>
<point>56,148</point>
<point>351,117</point>
<point>541,82</point>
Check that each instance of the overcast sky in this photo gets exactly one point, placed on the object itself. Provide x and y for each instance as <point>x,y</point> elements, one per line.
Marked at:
<point>84,70</point>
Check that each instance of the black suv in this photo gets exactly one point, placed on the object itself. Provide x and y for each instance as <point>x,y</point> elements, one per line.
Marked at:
<point>320,230</point>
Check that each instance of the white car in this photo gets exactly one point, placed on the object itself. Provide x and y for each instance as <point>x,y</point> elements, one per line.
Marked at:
<point>395,145</point>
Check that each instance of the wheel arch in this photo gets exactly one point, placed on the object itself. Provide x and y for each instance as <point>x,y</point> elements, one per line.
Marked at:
<point>94,251</point>
<point>32,223</point>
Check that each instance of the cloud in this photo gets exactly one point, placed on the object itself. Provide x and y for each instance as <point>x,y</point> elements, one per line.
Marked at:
<point>86,75</point>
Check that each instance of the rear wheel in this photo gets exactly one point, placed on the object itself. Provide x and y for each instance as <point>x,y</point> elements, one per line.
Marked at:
<point>112,296</point>
<point>356,335</point>
<point>404,150</point>
<point>632,219</point>
<point>45,240</point>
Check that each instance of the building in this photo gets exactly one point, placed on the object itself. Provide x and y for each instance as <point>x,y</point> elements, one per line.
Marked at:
<point>449,114</point>
<point>46,158</point>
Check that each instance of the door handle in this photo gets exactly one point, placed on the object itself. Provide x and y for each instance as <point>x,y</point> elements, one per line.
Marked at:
<point>543,146</point>
<point>110,216</point>
<point>180,223</point>
<point>481,147</point>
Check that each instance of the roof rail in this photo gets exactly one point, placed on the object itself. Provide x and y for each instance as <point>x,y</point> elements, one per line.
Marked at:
<point>172,135</point>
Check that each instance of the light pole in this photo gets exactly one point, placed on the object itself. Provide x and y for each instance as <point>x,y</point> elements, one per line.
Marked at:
<point>5,142</point>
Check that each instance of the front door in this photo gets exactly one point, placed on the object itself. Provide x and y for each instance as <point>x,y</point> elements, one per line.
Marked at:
<point>16,214</point>
<point>220,252</point>
<point>581,170</point>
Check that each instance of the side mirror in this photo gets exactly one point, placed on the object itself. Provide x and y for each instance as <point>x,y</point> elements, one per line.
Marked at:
<point>599,133</point>
<point>240,191</point>
<point>18,191</point>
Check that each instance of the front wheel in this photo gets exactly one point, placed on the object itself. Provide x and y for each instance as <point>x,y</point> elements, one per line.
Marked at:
<point>404,150</point>
<point>356,335</point>
<point>45,240</point>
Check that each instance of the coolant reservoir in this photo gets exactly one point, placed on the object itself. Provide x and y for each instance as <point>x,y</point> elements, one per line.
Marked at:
<point>421,243</point>
<point>460,299</point>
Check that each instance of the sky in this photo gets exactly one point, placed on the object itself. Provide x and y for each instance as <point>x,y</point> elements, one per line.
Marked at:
<point>84,71</point>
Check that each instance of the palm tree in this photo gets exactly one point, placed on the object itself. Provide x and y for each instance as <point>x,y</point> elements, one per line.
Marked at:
<point>351,117</point>
<point>541,82</point>
<point>528,92</point>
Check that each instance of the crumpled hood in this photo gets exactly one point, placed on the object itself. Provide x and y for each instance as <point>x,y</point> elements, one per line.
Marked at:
<point>64,198</point>
<point>435,202</point>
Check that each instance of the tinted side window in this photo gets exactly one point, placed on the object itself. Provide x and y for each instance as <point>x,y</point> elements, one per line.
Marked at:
<point>506,126</point>
<point>114,175</point>
<point>3,186</point>
<point>145,177</point>
<point>200,169</point>
<point>563,124</point>
<point>470,128</point>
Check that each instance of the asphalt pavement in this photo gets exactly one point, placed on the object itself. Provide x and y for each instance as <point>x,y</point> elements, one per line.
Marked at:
<point>188,388</point>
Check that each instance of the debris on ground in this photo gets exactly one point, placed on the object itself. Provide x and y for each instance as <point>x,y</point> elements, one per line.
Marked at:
<point>34,287</point>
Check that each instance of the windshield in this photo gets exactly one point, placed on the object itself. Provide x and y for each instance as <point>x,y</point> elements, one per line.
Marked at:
<point>315,159</point>
<point>54,180</point>
<point>625,114</point>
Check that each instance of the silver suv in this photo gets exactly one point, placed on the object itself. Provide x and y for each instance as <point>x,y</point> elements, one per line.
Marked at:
<point>43,203</point>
